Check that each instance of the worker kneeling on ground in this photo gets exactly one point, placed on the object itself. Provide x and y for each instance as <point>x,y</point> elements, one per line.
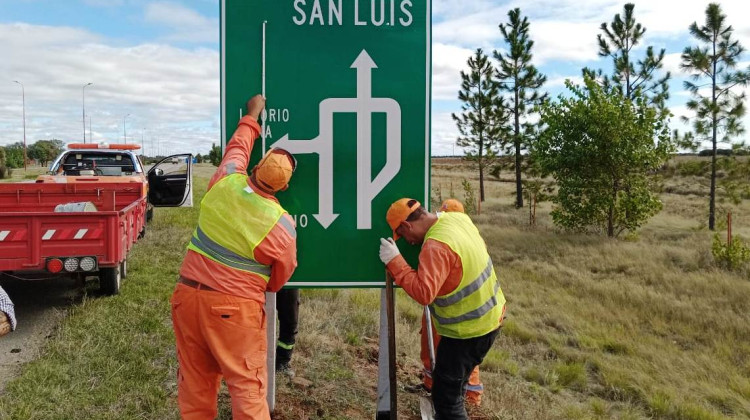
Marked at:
<point>457,279</point>
<point>244,245</point>
<point>474,388</point>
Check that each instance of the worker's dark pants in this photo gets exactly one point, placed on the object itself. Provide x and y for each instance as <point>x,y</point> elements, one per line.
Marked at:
<point>454,362</point>
<point>287,305</point>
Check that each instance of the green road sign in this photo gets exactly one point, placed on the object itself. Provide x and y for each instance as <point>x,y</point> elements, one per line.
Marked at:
<point>347,84</point>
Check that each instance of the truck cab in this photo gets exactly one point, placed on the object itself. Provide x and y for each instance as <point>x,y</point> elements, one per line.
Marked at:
<point>164,184</point>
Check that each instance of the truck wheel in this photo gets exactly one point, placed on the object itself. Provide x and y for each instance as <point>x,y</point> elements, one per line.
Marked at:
<point>149,214</point>
<point>124,268</point>
<point>110,279</point>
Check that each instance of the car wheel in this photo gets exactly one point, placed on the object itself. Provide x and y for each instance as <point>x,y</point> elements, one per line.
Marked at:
<point>110,279</point>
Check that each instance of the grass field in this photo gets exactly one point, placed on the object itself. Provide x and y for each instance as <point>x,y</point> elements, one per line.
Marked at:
<point>636,328</point>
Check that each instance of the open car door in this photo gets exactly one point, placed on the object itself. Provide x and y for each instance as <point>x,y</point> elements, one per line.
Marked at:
<point>170,182</point>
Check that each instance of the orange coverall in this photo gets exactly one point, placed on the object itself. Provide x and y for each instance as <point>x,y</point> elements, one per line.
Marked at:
<point>220,326</point>
<point>439,273</point>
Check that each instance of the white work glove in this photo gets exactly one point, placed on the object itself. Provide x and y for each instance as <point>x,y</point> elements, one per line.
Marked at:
<point>388,250</point>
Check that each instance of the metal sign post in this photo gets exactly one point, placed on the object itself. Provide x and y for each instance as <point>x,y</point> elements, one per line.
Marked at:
<point>387,407</point>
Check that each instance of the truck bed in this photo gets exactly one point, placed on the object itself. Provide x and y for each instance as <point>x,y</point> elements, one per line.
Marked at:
<point>31,231</point>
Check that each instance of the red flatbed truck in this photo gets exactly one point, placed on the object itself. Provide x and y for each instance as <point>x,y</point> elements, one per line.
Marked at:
<point>81,228</point>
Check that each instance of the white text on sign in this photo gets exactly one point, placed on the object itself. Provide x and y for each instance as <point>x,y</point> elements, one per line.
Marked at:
<point>382,12</point>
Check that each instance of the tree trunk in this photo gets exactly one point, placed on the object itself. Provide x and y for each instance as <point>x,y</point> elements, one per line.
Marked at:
<point>517,141</point>
<point>611,215</point>
<point>481,183</point>
<point>712,193</point>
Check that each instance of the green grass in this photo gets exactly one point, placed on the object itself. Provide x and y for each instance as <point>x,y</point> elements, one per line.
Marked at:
<point>644,328</point>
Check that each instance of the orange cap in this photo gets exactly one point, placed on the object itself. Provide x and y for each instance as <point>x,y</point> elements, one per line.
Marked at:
<point>398,212</point>
<point>275,170</point>
<point>452,204</point>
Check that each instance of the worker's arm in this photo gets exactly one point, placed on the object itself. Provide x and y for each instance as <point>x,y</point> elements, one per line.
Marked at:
<point>237,155</point>
<point>279,249</point>
<point>424,284</point>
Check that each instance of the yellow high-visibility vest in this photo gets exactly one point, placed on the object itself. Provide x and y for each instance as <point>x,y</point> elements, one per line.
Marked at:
<point>474,308</point>
<point>233,220</point>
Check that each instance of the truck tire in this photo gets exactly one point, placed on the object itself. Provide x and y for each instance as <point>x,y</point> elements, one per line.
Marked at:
<point>149,214</point>
<point>124,268</point>
<point>110,279</point>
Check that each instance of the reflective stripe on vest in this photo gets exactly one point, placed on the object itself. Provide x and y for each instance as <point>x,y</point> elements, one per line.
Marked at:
<point>232,222</point>
<point>466,291</point>
<point>474,308</point>
<point>220,254</point>
<point>476,313</point>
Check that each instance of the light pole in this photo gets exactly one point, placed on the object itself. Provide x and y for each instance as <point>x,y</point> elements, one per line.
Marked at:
<point>23,104</point>
<point>124,131</point>
<point>83,108</point>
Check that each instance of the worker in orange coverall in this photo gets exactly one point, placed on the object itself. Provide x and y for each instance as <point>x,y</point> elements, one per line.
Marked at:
<point>457,279</point>
<point>244,245</point>
<point>475,388</point>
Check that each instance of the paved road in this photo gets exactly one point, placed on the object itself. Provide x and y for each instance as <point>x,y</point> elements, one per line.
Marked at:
<point>40,306</point>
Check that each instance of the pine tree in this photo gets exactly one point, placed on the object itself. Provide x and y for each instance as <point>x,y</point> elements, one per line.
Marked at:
<point>617,42</point>
<point>723,109</point>
<point>483,114</point>
<point>521,80</point>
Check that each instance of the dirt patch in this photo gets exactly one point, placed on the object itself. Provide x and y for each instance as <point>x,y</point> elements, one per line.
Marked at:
<point>40,305</point>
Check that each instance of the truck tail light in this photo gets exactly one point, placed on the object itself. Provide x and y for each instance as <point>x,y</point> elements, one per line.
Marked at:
<point>71,264</point>
<point>54,265</point>
<point>88,263</point>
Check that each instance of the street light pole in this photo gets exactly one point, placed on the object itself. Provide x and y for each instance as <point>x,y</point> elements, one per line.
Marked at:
<point>124,131</point>
<point>23,104</point>
<point>83,107</point>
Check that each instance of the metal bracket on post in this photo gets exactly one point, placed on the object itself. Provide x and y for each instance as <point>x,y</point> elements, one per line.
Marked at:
<point>271,348</point>
<point>387,407</point>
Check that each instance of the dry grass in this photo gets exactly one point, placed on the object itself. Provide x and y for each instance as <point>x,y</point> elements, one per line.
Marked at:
<point>641,328</point>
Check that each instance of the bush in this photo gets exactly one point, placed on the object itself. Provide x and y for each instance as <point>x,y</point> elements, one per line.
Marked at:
<point>470,200</point>
<point>5,172</point>
<point>731,255</point>
<point>694,168</point>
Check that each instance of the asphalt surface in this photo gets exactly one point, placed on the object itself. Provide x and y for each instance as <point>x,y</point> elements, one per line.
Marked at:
<point>40,305</point>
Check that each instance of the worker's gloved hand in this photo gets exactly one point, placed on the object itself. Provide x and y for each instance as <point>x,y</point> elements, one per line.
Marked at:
<point>388,250</point>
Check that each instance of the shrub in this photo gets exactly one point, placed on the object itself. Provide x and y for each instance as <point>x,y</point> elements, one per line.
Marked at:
<point>730,255</point>
<point>470,200</point>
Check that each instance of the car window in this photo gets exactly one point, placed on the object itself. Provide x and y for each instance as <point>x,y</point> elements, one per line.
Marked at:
<point>93,163</point>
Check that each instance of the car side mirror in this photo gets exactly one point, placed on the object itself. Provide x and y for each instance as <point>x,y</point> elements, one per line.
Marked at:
<point>158,172</point>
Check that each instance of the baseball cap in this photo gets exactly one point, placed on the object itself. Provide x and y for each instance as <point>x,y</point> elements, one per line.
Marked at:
<point>398,212</point>
<point>275,170</point>
<point>452,204</point>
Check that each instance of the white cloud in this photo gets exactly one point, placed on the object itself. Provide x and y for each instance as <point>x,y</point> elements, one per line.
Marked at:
<point>447,63</point>
<point>187,25</point>
<point>554,81</point>
<point>444,135</point>
<point>171,92</point>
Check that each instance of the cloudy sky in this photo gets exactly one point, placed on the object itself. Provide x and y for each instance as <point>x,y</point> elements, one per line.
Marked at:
<point>154,65</point>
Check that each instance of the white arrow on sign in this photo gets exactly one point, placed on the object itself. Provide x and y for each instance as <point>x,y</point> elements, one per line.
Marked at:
<point>364,105</point>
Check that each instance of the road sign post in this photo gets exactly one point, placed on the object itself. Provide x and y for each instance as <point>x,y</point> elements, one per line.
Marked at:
<point>348,93</point>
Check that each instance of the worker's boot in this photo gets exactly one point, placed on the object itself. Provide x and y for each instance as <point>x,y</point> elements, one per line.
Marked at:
<point>283,359</point>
